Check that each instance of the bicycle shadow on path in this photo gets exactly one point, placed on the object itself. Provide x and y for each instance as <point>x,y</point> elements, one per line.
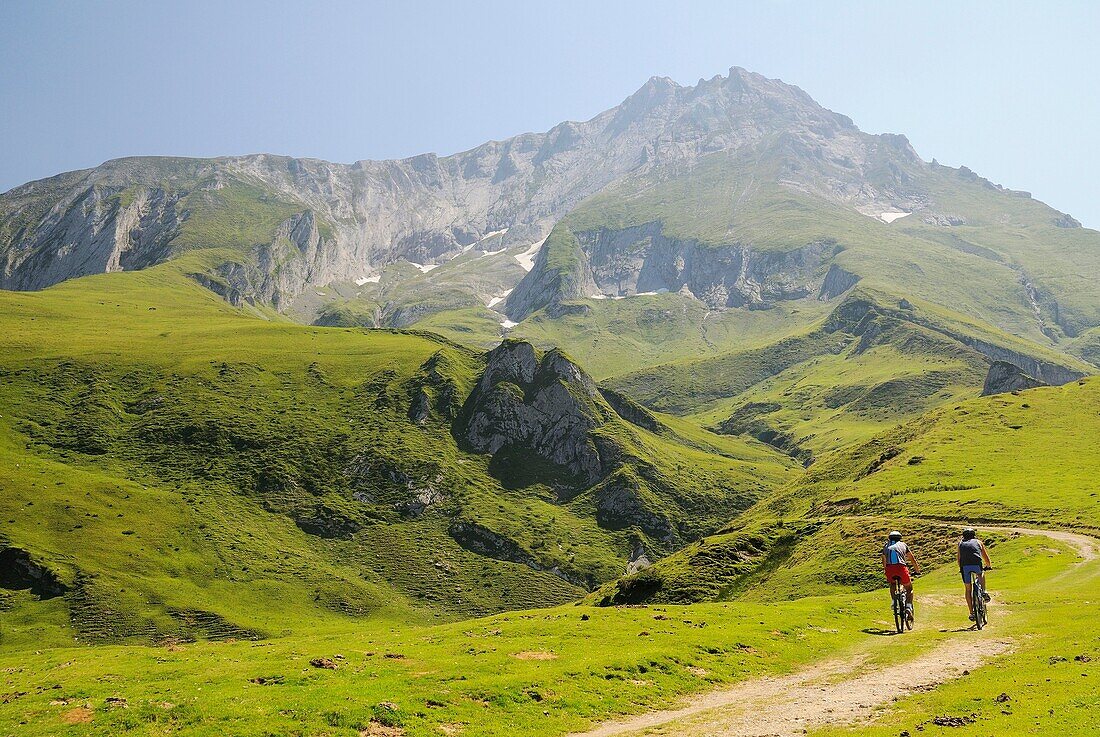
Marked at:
<point>879,632</point>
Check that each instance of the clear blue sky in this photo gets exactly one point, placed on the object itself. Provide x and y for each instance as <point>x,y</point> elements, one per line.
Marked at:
<point>1010,89</point>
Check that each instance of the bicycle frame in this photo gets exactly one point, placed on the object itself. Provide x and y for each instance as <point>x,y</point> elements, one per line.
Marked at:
<point>977,593</point>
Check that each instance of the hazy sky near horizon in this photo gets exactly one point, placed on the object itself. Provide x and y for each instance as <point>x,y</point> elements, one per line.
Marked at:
<point>1009,89</point>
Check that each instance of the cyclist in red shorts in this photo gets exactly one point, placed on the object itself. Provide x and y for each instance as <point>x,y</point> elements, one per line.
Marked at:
<point>896,559</point>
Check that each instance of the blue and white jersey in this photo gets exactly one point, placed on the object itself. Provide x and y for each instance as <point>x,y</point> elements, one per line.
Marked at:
<point>895,553</point>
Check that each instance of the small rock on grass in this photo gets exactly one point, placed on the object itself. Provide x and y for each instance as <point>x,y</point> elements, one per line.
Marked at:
<point>325,663</point>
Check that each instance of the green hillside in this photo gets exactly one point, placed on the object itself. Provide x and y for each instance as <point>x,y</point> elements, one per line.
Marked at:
<point>555,671</point>
<point>871,364</point>
<point>183,468</point>
<point>1019,458</point>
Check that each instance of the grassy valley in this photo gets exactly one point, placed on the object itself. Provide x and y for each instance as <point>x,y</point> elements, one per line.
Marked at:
<point>185,469</point>
<point>570,427</point>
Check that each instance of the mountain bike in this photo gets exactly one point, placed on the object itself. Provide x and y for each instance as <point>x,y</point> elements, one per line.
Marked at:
<point>978,596</point>
<point>902,620</point>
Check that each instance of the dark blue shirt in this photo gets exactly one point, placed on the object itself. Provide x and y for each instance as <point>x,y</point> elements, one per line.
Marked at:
<point>970,553</point>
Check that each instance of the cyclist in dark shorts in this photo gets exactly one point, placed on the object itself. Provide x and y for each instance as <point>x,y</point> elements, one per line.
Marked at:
<point>896,559</point>
<point>973,559</point>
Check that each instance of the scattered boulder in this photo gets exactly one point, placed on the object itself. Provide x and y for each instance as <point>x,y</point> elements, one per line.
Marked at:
<point>947,721</point>
<point>323,521</point>
<point>420,502</point>
<point>324,663</point>
<point>1007,377</point>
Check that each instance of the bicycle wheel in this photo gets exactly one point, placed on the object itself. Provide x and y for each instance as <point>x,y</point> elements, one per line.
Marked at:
<point>979,603</point>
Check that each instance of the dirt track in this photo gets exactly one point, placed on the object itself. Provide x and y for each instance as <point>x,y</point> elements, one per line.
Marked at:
<point>839,691</point>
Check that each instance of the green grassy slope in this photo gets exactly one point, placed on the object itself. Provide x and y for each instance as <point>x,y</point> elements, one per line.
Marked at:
<point>1087,346</point>
<point>555,671</point>
<point>612,337</point>
<point>1016,458</point>
<point>872,363</point>
<point>1012,457</point>
<point>197,471</point>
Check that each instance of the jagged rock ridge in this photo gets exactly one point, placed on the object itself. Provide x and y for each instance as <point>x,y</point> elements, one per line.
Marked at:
<point>129,213</point>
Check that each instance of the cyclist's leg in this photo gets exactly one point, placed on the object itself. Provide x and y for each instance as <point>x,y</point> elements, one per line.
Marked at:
<point>970,598</point>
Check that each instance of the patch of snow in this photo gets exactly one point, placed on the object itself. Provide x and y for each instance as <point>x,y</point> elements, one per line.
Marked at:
<point>508,324</point>
<point>482,239</point>
<point>527,258</point>
<point>497,300</point>
<point>598,296</point>
<point>492,253</point>
<point>424,268</point>
<point>889,217</point>
<point>368,280</point>
<point>494,234</point>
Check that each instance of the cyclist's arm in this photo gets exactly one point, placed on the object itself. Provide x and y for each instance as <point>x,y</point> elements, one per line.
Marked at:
<point>913,560</point>
<point>985,556</point>
<point>959,557</point>
<point>884,560</point>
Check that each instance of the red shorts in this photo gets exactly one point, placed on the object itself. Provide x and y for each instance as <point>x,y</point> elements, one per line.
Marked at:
<point>899,570</point>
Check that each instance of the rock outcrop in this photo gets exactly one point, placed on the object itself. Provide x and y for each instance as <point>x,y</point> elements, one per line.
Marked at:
<point>19,571</point>
<point>536,413</point>
<point>606,263</point>
<point>1008,377</point>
